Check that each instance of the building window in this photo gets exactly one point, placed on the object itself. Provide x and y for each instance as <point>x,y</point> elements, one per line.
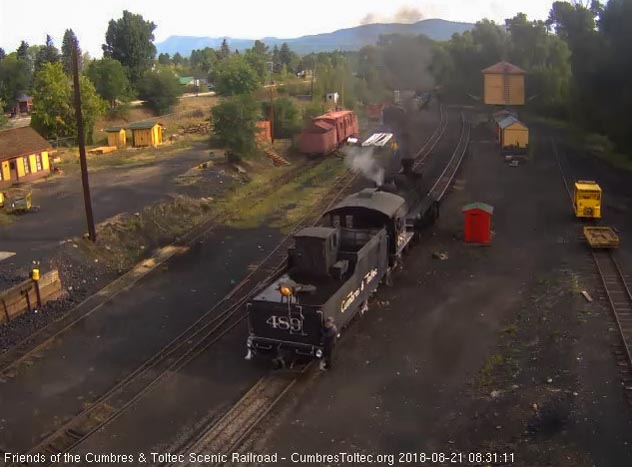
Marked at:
<point>27,167</point>
<point>335,222</point>
<point>38,162</point>
<point>349,221</point>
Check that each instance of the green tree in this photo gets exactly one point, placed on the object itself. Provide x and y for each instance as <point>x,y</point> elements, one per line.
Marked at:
<point>260,48</point>
<point>258,63</point>
<point>130,40</point>
<point>47,53</point>
<point>234,124</point>
<point>52,115</point>
<point>92,106</point>
<point>66,51</point>
<point>160,88</point>
<point>224,50</point>
<point>235,76</point>
<point>53,112</point>
<point>4,121</point>
<point>14,77</point>
<point>110,80</point>
<point>164,59</point>
<point>23,50</point>
<point>287,118</point>
<point>203,62</point>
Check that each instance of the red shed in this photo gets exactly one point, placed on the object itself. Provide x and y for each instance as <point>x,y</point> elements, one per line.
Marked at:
<point>478,223</point>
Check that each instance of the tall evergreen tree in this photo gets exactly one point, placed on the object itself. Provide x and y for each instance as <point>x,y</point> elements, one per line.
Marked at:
<point>46,54</point>
<point>66,51</point>
<point>23,50</point>
<point>224,50</point>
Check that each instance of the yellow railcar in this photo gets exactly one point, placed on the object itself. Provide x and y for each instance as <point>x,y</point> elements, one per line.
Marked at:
<point>587,199</point>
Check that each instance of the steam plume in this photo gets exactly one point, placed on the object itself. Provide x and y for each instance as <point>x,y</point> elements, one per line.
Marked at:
<point>405,14</point>
<point>362,160</point>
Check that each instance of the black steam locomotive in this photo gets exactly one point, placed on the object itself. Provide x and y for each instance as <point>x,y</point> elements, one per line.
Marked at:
<point>334,268</point>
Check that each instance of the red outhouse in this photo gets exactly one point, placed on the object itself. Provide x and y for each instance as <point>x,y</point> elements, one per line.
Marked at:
<point>478,222</point>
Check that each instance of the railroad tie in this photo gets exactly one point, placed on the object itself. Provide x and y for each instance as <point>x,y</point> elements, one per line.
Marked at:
<point>276,159</point>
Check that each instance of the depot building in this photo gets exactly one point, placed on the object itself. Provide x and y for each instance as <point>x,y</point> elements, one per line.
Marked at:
<point>23,156</point>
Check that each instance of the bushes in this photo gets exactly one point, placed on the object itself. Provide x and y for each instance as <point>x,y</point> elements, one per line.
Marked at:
<point>287,118</point>
<point>160,88</point>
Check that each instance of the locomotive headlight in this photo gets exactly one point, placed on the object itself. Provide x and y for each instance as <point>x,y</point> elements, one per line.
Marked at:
<point>319,353</point>
<point>285,290</point>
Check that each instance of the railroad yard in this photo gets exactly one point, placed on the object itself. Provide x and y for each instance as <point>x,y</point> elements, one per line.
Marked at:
<point>408,274</point>
<point>492,349</point>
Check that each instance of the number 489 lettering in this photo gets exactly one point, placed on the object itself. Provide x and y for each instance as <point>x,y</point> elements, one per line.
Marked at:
<point>285,323</point>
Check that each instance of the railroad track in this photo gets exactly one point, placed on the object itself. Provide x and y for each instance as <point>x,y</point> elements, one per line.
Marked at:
<point>198,337</point>
<point>615,285</point>
<point>444,180</point>
<point>429,145</point>
<point>226,434</point>
<point>31,345</point>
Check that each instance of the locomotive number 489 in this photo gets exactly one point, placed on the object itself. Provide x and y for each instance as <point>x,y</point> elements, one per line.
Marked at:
<point>285,323</point>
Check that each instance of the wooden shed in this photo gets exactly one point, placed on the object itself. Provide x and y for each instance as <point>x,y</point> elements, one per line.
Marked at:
<point>513,134</point>
<point>117,136</point>
<point>23,156</point>
<point>503,84</point>
<point>146,134</point>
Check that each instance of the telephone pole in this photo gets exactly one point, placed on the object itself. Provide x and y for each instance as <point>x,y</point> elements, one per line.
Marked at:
<point>82,145</point>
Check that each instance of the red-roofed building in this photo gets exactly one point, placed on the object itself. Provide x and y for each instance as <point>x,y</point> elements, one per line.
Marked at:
<point>23,155</point>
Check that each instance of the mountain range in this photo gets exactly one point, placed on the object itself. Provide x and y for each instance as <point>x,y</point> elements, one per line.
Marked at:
<point>344,39</point>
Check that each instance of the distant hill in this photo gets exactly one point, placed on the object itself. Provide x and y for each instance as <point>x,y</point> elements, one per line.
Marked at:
<point>343,39</point>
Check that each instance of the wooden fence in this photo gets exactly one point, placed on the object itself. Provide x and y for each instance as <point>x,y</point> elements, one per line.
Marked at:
<point>29,295</point>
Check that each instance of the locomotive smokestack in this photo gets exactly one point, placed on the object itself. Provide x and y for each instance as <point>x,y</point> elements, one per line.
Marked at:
<point>407,166</point>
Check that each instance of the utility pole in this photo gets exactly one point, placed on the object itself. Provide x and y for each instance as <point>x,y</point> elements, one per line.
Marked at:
<point>272,115</point>
<point>82,145</point>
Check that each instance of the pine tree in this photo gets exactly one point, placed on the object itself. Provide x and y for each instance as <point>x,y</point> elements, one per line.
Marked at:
<point>224,50</point>
<point>23,50</point>
<point>47,54</point>
<point>66,51</point>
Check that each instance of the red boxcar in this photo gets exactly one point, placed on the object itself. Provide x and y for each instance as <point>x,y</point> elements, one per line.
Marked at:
<point>328,131</point>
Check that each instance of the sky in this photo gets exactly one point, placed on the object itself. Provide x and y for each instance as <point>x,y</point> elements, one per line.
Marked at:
<point>252,19</point>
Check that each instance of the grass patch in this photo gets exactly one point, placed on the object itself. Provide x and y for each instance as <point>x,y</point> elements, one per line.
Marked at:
<point>128,157</point>
<point>247,207</point>
<point>6,219</point>
<point>486,374</point>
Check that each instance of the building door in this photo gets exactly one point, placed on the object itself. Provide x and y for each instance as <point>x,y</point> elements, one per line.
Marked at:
<point>13,170</point>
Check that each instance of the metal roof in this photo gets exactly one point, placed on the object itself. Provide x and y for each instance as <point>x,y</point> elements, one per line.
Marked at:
<point>114,129</point>
<point>315,232</point>
<point>507,122</point>
<point>370,198</point>
<point>21,141</point>
<point>478,205</point>
<point>504,68</point>
<point>587,185</point>
<point>378,139</point>
<point>143,125</point>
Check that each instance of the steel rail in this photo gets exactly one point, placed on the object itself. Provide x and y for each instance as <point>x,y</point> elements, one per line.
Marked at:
<point>226,434</point>
<point>612,277</point>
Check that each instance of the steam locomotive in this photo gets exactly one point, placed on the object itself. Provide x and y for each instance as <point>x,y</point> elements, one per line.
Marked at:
<point>334,268</point>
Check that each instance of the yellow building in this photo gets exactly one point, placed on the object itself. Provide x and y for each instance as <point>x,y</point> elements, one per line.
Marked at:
<point>146,134</point>
<point>23,156</point>
<point>513,134</point>
<point>503,84</point>
<point>117,136</point>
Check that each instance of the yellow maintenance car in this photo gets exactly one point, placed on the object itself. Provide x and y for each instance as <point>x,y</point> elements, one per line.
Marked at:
<point>587,199</point>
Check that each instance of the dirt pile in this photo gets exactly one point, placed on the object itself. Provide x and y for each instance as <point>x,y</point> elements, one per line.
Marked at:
<point>123,239</point>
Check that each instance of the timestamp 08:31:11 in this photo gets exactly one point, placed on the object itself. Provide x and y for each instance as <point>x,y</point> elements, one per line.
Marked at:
<point>456,457</point>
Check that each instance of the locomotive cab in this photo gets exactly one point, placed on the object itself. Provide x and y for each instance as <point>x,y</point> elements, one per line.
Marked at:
<point>371,210</point>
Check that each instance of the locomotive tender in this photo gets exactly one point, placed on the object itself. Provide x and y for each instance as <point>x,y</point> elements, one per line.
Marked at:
<point>334,268</point>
